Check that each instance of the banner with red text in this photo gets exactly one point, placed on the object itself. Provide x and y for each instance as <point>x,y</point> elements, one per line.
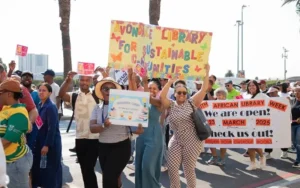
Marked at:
<point>21,50</point>
<point>159,51</point>
<point>253,123</point>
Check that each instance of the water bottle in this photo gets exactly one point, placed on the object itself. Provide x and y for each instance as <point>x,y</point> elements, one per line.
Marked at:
<point>43,162</point>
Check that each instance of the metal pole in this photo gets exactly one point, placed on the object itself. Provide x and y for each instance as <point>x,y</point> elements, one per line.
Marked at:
<point>242,37</point>
<point>285,56</point>
<point>238,23</point>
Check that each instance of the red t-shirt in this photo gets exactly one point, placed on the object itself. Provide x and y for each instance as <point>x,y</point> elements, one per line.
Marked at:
<point>27,100</point>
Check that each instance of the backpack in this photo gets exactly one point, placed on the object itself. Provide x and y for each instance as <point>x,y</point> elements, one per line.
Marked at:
<point>74,98</point>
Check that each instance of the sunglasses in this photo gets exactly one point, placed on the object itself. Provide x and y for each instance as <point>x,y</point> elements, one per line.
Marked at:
<point>181,92</point>
<point>106,89</point>
<point>226,85</point>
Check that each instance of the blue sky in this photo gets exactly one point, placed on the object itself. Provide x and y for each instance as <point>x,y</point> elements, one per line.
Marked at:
<point>268,27</point>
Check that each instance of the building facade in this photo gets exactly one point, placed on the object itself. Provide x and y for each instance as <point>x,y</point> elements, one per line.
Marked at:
<point>35,63</point>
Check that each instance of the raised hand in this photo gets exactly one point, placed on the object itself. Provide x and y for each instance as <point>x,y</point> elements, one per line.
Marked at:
<point>12,65</point>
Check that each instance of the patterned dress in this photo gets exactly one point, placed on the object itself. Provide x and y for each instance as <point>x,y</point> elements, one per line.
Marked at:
<point>184,146</point>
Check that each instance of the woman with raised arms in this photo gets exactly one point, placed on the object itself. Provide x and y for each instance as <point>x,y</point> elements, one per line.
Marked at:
<point>184,146</point>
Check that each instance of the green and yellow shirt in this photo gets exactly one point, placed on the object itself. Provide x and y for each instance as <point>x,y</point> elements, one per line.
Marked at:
<point>14,124</point>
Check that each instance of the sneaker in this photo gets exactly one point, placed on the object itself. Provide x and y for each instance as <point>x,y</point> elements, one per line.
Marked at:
<point>163,168</point>
<point>131,159</point>
<point>131,167</point>
<point>268,156</point>
<point>284,155</point>
<point>296,165</point>
<point>252,166</point>
<point>292,150</point>
<point>262,163</point>
<point>212,161</point>
<point>246,154</point>
<point>73,150</point>
<point>221,162</point>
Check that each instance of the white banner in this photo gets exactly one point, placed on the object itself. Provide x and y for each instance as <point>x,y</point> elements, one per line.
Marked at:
<point>121,77</point>
<point>253,123</point>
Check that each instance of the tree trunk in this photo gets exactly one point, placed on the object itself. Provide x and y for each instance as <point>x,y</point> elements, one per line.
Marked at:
<point>154,11</point>
<point>64,14</point>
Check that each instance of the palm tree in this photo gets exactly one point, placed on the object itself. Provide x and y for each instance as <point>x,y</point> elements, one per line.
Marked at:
<point>154,11</point>
<point>64,14</point>
<point>291,1</point>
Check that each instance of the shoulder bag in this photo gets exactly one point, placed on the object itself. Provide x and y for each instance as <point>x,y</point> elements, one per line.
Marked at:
<point>201,125</point>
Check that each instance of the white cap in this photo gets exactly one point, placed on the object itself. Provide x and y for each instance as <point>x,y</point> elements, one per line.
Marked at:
<point>272,89</point>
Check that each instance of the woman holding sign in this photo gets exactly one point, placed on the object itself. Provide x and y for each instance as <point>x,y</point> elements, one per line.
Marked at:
<point>114,142</point>
<point>47,169</point>
<point>149,145</point>
<point>184,146</point>
<point>254,93</point>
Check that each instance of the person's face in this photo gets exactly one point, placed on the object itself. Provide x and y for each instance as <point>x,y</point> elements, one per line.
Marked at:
<point>243,86</point>
<point>221,96</point>
<point>209,86</point>
<point>4,95</point>
<point>47,78</point>
<point>252,88</point>
<point>212,79</point>
<point>273,94</point>
<point>95,81</point>
<point>229,87</point>
<point>180,93</point>
<point>153,89</point>
<point>85,82</point>
<point>297,93</point>
<point>26,80</point>
<point>198,86</point>
<point>44,93</point>
<point>163,82</point>
<point>2,76</point>
<point>105,90</point>
<point>262,86</point>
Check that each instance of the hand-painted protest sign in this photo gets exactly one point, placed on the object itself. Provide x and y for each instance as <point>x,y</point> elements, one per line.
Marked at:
<point>21,50</point>
<point>158,51</point>
<point>84,68</point>
<point>129,108</point>
<point>121,77</point>
<point>263,123</point>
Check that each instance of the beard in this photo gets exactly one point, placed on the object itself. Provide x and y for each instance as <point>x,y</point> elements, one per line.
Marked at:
<point>26,85</point>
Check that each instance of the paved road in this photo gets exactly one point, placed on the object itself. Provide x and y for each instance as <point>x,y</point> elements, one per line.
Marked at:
<point>278,173</point>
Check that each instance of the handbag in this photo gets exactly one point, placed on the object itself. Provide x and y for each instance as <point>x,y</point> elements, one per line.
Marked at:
<point>202,127</point>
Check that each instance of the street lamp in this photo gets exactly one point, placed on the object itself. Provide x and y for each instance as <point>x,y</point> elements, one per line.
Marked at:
<point>242,36</point>
<point>238,24</point>
<point>285,56</point>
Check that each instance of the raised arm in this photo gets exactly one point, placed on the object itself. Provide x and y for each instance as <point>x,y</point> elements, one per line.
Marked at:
<point>65,87</point>
<point>164,92</point>
<point>199,96</point>
<point>130,80</point>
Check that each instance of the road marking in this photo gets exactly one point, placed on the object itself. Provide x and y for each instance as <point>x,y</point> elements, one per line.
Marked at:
<point>283,183</point>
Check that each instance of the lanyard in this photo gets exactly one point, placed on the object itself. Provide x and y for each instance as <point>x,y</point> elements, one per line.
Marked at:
<point>103,117</point>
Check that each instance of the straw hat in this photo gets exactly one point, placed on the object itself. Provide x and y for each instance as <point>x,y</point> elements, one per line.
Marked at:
<point>100,84</point>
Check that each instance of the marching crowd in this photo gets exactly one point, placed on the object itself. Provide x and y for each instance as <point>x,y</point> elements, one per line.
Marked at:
<point>32,145</point>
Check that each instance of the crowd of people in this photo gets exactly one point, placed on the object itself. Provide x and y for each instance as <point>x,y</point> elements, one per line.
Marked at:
<point>31,140</point>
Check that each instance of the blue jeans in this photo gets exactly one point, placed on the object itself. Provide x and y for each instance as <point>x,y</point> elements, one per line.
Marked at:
<point>18,171</point>
<point>296,140</point>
